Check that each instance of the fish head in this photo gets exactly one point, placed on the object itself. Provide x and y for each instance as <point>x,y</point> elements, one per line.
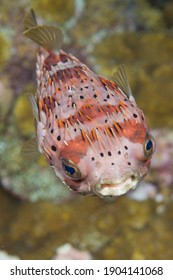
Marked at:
<point>112,171</point>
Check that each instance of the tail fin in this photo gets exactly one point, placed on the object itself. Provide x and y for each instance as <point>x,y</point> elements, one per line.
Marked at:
<point>29,20</point>
<point>48,37</point>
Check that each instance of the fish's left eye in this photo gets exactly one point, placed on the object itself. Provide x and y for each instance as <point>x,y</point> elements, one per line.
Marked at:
<point>149,146</point>
<point>71,169</point>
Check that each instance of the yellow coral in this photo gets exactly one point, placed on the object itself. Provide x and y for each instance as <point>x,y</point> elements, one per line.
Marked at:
<point>4,50</point>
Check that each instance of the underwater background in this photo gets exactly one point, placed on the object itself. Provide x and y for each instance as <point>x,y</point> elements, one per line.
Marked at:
<point>39,217</point>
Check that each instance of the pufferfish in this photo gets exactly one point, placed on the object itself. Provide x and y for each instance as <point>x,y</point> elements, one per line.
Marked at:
<point>89,128</point>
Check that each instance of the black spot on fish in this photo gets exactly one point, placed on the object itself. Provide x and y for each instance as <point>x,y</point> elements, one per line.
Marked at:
<point>58,137</point>
<point>135,116</point>
<point>119,152</point>
<point>101,154</point>
<point>109,153</point>
<point>53,148</point>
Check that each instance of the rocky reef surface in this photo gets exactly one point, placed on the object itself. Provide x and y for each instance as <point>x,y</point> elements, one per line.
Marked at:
<point>39,214</point>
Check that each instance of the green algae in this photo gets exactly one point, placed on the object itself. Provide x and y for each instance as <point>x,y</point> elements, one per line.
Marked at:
<point>23,116</point>
<point>58,11</point>
<point>118,16</point>
<point>116,237</point>
<point>168,15</point>
<point>147,58</point>
<point>32,180</point>
<point>6,97</point>
<point>4,50</point>
<point>136,48</point>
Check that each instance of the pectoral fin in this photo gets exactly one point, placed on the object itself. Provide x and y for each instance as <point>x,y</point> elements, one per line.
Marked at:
<point>30,150</point>
<point>33,105</point>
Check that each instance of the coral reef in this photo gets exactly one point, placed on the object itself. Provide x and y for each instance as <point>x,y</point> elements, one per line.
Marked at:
<point>68,252</point>
<point>5,256</point>
<point>136,33</point>
<point>32,180</point>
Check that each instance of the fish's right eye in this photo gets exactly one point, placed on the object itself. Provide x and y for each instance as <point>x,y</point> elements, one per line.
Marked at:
<point>71,169</point>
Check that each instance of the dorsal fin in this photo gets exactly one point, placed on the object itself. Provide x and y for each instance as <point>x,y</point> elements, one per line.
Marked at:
<point>29,20</point>
<point>120,78</point>
<point>48,37</point>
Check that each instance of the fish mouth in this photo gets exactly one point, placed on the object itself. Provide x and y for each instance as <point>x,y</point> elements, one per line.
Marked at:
<point>109,187</point>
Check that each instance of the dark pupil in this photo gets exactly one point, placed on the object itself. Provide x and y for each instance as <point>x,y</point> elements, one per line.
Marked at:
<point>149,145</point>
<point>69,169</point>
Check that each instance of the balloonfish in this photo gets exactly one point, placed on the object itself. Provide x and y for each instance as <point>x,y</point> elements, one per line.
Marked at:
<point>89,128</point>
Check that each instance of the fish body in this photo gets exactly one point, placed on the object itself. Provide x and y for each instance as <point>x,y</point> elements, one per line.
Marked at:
<point>89,128</point>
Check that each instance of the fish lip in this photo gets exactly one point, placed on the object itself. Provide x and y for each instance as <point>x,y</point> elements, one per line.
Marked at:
<point>108,187</point>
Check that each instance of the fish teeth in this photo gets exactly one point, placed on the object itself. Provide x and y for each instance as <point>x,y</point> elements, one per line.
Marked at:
<point>107,186</point>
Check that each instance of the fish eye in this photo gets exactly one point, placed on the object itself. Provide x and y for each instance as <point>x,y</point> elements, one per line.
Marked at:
<point>149,146</point>
<point>71,169</point>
